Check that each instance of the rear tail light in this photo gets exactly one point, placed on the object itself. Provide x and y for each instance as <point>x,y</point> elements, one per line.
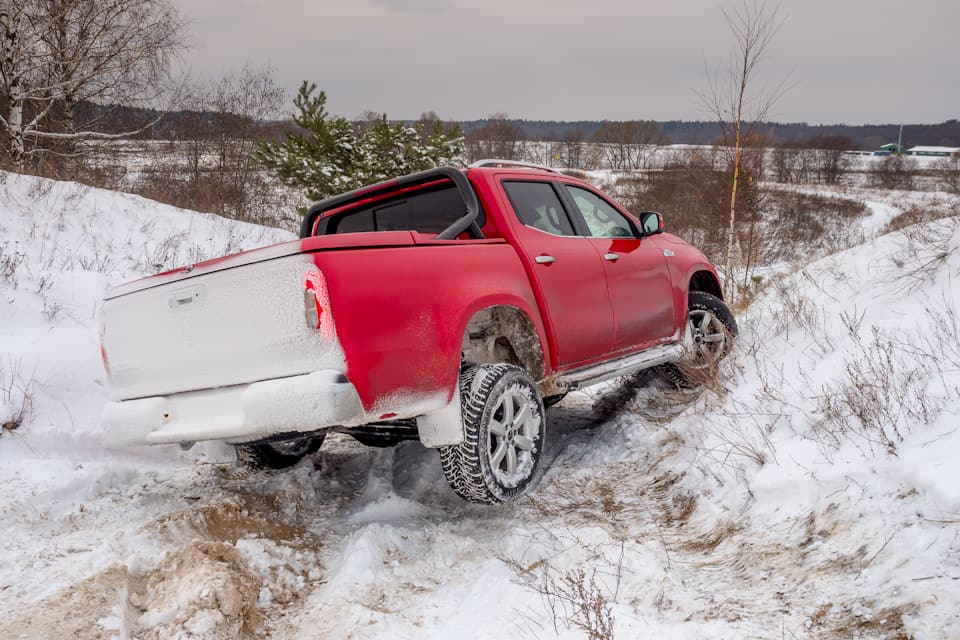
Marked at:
<point>311,308</point>
<point>103,349</point>
<point>316,301</point>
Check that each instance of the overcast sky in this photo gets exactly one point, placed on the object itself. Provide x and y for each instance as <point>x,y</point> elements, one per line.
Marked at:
<point>849,61</point>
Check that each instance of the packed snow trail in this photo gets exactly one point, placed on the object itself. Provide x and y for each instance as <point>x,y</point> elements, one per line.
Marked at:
<point>760,509</point>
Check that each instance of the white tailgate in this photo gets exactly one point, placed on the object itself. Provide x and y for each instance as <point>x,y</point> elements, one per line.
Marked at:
<point>223,328</point>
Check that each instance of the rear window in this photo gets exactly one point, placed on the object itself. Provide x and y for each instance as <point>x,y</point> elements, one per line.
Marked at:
<point>427,211</point>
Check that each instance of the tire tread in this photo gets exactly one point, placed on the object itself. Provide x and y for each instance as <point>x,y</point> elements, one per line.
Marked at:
<point>461,463</point>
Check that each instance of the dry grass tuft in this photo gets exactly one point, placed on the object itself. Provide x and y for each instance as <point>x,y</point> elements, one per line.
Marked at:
<point>892,382</point>
<point>712,538</point>
<point>885,624</point>
<point>11,260</point>
<point>576,598</point>
<point>16,396</point>
<point>917,215</point>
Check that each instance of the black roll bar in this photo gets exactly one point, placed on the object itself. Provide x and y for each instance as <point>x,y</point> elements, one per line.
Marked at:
<point>468,222</point>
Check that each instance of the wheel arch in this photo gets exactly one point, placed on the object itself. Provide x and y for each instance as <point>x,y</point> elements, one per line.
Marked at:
<point>706,282</point>
<point>504,333</point>
<point>500,332</point>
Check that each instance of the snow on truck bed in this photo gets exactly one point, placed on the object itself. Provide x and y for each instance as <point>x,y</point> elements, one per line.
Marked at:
<point>814,494</point>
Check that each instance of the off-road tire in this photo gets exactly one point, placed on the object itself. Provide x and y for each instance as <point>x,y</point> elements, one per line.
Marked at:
<point>682,374</point>
<point>272,455</point>
<point>469,467</point>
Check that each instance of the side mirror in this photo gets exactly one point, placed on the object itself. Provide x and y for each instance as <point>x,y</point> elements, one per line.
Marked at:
<point>651,222</point>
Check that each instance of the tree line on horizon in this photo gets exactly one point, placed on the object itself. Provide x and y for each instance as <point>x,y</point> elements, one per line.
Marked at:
<point>864,137</point>
<point>861,136</point>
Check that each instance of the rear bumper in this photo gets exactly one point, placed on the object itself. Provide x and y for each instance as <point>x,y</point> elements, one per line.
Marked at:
<point>239,413</point>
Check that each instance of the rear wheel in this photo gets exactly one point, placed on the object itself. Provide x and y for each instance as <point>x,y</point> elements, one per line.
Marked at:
<point>504,429</point>
<point>280,454</point>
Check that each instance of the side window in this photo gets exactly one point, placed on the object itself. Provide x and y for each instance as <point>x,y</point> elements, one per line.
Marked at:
<point>537,206</point>
<point>602,219</point>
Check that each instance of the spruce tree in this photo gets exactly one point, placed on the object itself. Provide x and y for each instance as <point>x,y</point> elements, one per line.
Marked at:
<point>330,155</point>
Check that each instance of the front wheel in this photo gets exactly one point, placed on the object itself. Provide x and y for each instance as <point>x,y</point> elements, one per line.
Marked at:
<point>504,429</point>
<point>711,329</point>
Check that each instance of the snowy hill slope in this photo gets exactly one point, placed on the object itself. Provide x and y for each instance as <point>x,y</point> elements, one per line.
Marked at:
<point>61,245</point>
<point>812,493</point>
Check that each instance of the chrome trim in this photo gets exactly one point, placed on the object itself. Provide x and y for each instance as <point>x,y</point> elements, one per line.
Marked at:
<point>493,162</point>
<point>651,357</point>
<point>544,259</point>
<point>612,257</point>
<point>668,254</point>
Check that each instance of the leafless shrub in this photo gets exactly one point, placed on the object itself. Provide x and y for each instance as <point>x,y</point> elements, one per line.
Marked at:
<point>797,225</point>
<point>99,261</point>
<point>573,149</point>
<point>924,248</point>
<point>629,145</point>
<point>581,602</point>
<point>498,138</point>
<point>50,309</point>
<point>94,169</point>
<point>576,598</point>
<point>11,259</point>
<point>756,285</point>
<point>883,393</point>
<point>946,174</point>
<point>773,224</point>
<point>917,215</point>
<point>798,312</point>
<point>217,138</point>
<point>687,375</point>
<point>16,396</point>
<point>690,192</point>
<point>818,160</point>
<point>944,338</point>
<point>743,437</point>
<point>893,172</point>
<point>164,255</point>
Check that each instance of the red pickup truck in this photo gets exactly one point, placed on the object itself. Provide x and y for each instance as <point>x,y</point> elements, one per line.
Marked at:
<point>448,306</point>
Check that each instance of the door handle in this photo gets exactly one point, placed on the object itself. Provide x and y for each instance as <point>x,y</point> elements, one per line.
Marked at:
<point>544,259</point>
<point>611,257</point>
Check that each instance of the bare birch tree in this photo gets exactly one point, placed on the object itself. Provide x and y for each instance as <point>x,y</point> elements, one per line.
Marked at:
<point>60,53</point>
<point>18,68</point>
<point>731,98</point>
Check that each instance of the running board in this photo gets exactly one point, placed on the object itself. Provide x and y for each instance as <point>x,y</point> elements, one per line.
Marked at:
<point>652,357</point>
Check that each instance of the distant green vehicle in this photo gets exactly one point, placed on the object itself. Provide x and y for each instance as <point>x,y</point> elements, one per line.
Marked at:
<point>889,149</point>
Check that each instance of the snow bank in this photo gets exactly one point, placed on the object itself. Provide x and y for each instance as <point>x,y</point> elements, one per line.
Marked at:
<point>839,432</point>
<point>61,245</point>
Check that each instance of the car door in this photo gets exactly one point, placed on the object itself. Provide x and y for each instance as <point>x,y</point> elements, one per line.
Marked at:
<point>641,292</point>
<point>565,269</point>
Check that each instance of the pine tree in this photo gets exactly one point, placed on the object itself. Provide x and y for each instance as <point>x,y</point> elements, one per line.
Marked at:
<point>332,156</point>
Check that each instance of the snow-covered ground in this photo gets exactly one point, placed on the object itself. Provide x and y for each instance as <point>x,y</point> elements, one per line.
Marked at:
<point>813,493</point>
